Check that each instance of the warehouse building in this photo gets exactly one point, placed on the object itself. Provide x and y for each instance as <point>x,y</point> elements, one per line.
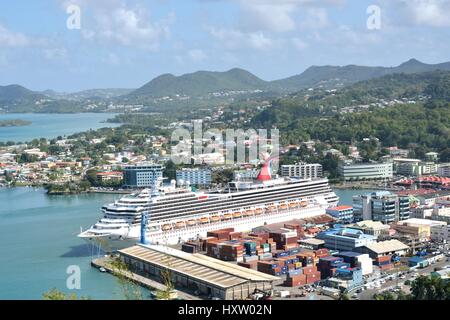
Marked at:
<point>196,272</point>
<point>385,248</point>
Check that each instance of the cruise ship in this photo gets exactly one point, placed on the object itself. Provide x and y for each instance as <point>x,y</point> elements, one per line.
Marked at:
<point>169,214</point>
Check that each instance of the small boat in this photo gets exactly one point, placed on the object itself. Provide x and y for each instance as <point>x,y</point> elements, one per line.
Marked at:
<point>259,211</point>
<point>249,212</point>
<point>102,269</point>
<point>227,216</point>
<point>204,220</point>
<point>304,203</point>
<point>166,227</point>
<point>191,222</point>
<point>283,206</point>
<point>215,218</point>
<point>180,225</point>
<point>237,215</point>
<point>272,208</point>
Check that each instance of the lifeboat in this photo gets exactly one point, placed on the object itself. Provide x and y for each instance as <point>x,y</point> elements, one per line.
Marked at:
<point>249,212</point>
<point>272,208</point>
<point>180,225</point>
<point>237,215</point>
<point>292,204</point>
<point>191,222</point>
<point>258,211</point>
<point>215,218</point>
<point>304,203</point>
<point>204,220</point>
<point>283,206</point>
<point>227,216</point>
<point>166,227</point>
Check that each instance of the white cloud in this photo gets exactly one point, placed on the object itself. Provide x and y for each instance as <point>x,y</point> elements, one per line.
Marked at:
<point>117,22</point>
<point>282,15</point>
<point>10,39</point>
<point>55,53</point>
<point>299,44</point>
<point>234,39</point>
<point>197,55</point>
<point>434,13</point>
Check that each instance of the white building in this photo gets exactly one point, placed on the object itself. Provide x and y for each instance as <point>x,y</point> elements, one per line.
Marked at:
<point>440,233</point>
<point>302,170</point>
<point>366,171</point>
<point>200,177</point>
<point>444,170</point>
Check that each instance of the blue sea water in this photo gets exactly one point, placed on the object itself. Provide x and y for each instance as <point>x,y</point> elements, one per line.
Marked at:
<point>52,125</point>
<point>38,244</point>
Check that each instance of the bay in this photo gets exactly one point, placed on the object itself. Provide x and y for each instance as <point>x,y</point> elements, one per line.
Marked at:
<point>39,243</point>
<point>52,125</point>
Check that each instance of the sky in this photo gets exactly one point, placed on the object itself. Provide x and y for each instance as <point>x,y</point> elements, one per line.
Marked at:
<point>71,45</point>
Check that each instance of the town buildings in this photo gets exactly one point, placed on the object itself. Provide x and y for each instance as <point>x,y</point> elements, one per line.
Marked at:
<point>143,175</point>
<point>302,170</point>
<point>351,171</point>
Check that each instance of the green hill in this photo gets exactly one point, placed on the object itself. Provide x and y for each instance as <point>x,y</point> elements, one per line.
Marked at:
<point>200,83</point>
<point>333,76</point>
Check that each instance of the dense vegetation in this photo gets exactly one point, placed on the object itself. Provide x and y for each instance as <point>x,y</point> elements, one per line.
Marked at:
<point>14,123</point>
<point>422,126</point>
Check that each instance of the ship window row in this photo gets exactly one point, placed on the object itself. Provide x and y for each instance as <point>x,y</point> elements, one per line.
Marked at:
<point>210,204</point>
<point>233,206</point>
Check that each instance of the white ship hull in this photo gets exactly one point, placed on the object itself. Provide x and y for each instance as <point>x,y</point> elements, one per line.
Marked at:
<point>240,225</point>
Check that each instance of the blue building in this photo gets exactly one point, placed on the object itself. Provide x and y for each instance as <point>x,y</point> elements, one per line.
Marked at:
<point>345,239</point>
<point>199,177</point>
<point>343,214</point>
<point>142,175</point>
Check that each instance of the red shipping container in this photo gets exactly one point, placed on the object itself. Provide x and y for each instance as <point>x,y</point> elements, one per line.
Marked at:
<point>313,277</point>
<point>309,270</point>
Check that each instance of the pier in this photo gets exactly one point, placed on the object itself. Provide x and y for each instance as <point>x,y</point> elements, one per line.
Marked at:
<point>104,262</point>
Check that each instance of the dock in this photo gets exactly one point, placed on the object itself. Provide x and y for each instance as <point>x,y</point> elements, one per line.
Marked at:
<point>103,262</point>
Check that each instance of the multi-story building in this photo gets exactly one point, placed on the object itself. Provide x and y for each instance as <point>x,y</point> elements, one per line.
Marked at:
<point>407,167</point>
<point>302,170</point>
<point>143,175</point>
<point>444,170</point>
<point>374,228</point>
<point>343,214</point>
<point>365,171</point>
<point>381,206</point>
<point>416,228</point>
<point>345,239</point>
<point>440,233</point>
<point>246,175</point>
<point>200,177</point>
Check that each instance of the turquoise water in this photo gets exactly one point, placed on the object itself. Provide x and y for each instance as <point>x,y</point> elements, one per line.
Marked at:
<point>38,235</point>
<point>52,125</point>
<point>345,196</point>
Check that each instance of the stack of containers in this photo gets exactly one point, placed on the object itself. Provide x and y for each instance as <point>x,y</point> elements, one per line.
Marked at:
<point>222,234</point>
<point>269,267</point>
<point>284,237</point>
<point>384,263</point>
<point>235,235</point>
<point>312,274</point>
<point>250,248</point>
<point>248,265</point>
<point>295,278</point>
<point>328,265</point>
<point>306,258</point>
<point>227,251</point>
<point>189,248</point>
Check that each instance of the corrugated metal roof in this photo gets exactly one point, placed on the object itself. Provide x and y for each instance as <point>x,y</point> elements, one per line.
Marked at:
<point>386,246</point>
<point>216,272</point>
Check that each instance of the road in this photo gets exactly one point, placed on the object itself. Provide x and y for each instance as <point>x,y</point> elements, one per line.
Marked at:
<point>368,294</point>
